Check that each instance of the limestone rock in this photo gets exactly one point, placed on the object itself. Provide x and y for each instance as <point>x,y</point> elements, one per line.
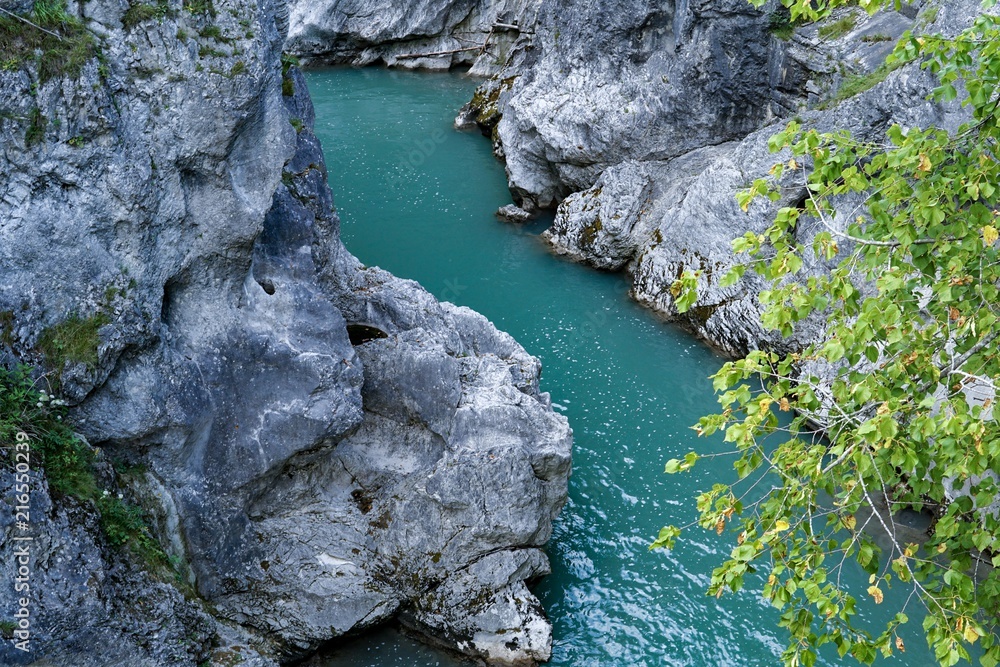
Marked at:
<point>455,32</point>
<point>643,130</point>
<point>515,214</point>
<point>308,484</point>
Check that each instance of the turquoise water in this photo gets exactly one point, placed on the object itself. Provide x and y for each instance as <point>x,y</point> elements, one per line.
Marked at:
<point>417,198</point>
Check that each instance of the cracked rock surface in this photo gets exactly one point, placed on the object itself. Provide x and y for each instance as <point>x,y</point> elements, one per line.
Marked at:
<point>639,123</point>
<point>310,480</point>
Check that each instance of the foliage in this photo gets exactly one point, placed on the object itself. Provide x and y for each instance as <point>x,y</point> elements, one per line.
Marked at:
<point>74,340</point>
<point>62,40</point>
<point>23,408</point>
<point>68,462</point>
<point>779,24</point>
<point>912,323</point>
<point>141,12</point>
<point>838,28</point>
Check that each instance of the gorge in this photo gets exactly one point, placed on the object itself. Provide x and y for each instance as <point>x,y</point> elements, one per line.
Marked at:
<point>320,447</point>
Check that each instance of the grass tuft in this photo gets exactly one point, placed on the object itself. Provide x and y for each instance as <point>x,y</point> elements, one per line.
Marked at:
<point>74,340</point>
<point>64,43</point>
<point>780,25</point>
<point>200,7</point>
<point>288,61</point>
<point>838,28</point>
<point>856,84</point>
<point>36,128</point>
<point>141,12</point>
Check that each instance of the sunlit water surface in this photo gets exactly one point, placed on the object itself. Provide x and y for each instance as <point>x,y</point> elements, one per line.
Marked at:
<point>417,198</point>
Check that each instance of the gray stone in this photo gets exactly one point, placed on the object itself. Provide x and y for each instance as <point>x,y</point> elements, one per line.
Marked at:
<point>605,83</point>
<point>623,129</point>
<point>306,487</point>
<point>515,214</point>
<point>17,6</point>
<point>458,32</point>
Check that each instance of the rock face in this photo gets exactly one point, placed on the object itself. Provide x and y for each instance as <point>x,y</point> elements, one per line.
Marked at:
<point>639,121</point>
<point>642,132</point>
<point>325,446</point>
<point>604,83</point>
<point>458,32</point>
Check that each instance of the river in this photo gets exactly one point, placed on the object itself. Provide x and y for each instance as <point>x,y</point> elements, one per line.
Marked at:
<point>417,198</point>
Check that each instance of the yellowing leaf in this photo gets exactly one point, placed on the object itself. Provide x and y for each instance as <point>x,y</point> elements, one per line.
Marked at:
<point>783,405</point>
<point>990,234</point>
<point>849,522</point>
<point>925,163</point>
<point>971,634</point>
<point>876,594</point>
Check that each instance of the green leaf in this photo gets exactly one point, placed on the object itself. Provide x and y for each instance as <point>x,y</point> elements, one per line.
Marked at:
<point>666,539</point>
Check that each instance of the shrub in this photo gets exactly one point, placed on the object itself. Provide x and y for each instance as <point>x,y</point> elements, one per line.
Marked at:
<point>68,463</point>
<point>780,25</point>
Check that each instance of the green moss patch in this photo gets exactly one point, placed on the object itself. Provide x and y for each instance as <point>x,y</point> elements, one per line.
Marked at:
<point>838,28</point>
<point>856,84</point>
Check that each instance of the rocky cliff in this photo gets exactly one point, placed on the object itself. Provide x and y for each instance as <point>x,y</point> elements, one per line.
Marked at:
<point>429,34</point>
<point>640,121</point>
<point>642,133</point>
<point>319,446</point>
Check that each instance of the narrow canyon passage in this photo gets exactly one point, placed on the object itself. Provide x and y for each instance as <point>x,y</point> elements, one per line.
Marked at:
<point>417,198</point>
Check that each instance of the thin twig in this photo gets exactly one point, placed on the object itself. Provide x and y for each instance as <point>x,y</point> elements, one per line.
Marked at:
<point>33,25</point>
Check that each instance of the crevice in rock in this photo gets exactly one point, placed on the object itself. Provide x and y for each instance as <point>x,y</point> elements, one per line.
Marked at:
<point>363,333</point>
